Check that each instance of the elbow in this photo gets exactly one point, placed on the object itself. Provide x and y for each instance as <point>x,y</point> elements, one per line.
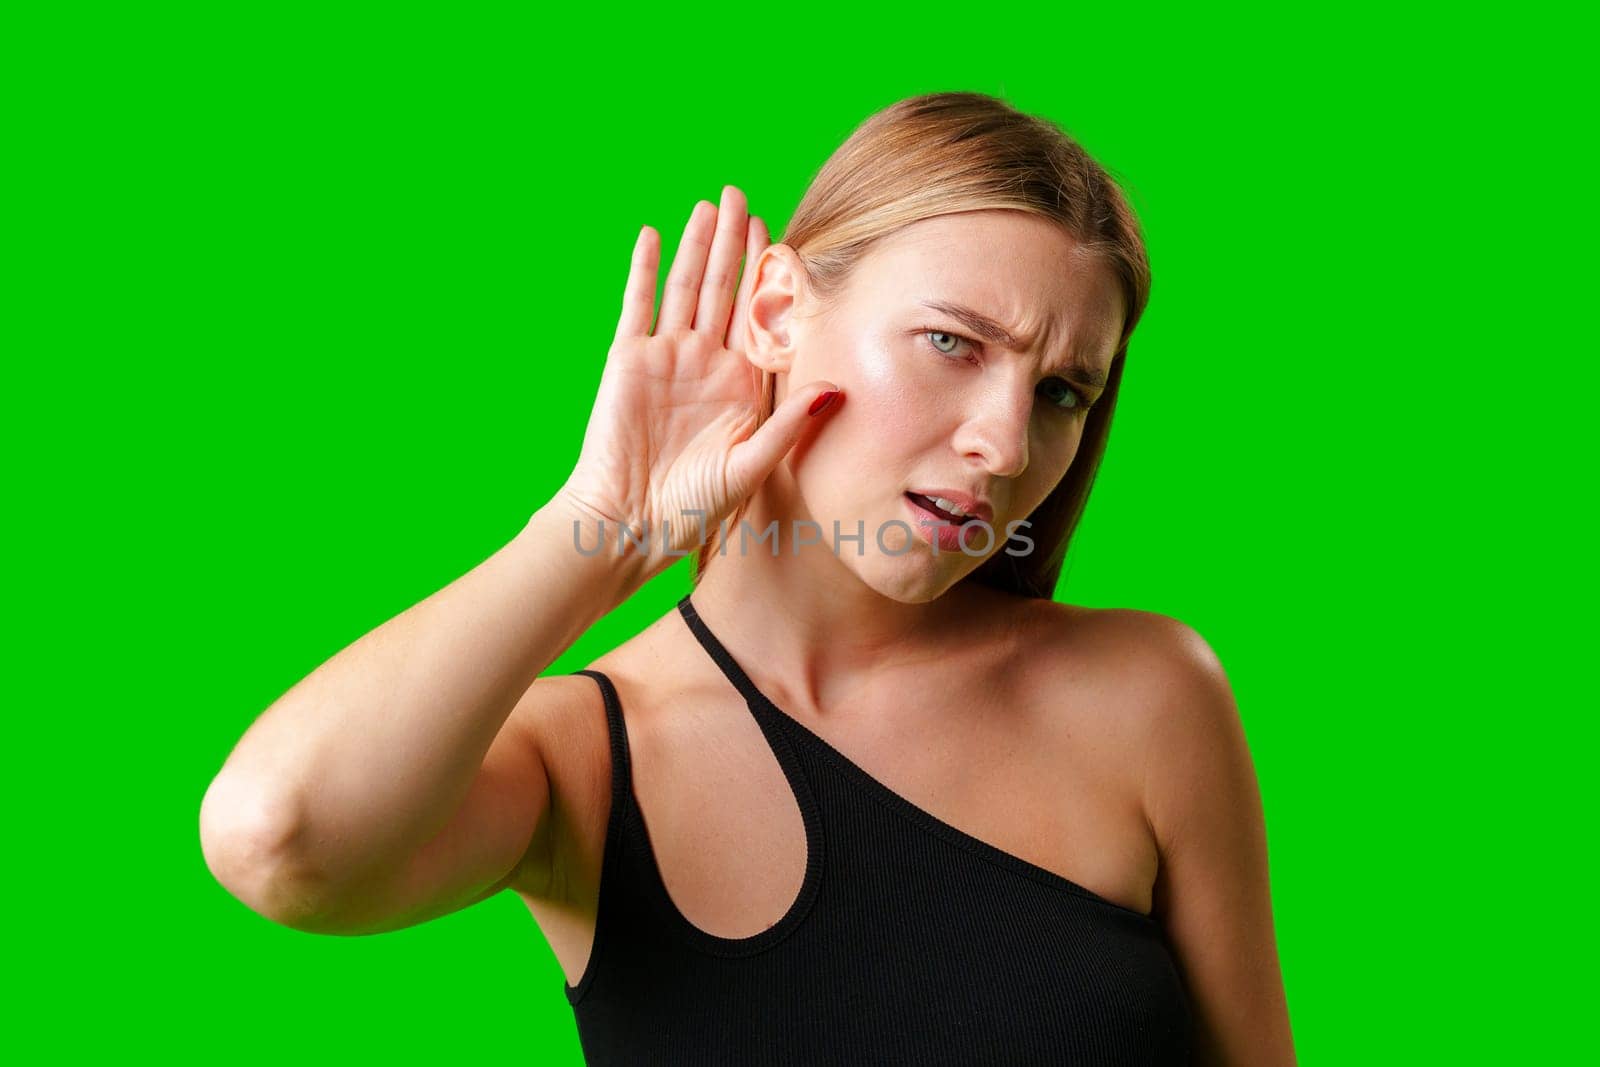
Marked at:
<point>246,837</point>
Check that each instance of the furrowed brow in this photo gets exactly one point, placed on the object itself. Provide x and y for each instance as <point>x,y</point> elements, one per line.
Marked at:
<point>992,331</point>
<point>980,324</point>
<point>1083,373</point>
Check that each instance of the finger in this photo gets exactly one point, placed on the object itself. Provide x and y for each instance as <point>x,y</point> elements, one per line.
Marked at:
<point>722,268</point>
<point>752,460</point>
<point>755,242</point>
<point>639,295</point>
<point>682,290</point>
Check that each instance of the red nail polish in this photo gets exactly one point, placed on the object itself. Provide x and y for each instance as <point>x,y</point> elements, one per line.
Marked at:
<point>822,401</point>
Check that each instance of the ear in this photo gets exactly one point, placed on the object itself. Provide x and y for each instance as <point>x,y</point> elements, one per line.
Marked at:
<point>779,287</point>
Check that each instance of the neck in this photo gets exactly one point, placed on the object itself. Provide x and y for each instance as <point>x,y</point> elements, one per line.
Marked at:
<point>806,627</point>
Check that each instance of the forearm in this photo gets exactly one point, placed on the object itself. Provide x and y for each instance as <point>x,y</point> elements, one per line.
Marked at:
<point>365,759</point>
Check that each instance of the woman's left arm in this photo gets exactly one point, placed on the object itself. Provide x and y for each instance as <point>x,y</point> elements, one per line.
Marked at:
<point>1212,895</point>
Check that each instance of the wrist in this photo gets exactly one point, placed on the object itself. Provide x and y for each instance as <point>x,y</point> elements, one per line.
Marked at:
<point>566,535</point>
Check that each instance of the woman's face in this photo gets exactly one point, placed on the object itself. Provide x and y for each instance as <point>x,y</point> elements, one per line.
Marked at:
<point>937,399</point>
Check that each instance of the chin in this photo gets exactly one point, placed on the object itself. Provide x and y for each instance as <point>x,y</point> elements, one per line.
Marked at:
<point>913,578</point>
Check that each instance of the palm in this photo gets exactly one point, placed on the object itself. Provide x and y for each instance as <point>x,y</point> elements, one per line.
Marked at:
<point>674,426</point>
<point>677,402</point>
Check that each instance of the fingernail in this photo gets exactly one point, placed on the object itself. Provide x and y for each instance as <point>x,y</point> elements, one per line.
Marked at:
<point>822,401</point>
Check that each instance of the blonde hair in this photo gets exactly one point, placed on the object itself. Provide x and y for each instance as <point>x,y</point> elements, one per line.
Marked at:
<point>944,153</point>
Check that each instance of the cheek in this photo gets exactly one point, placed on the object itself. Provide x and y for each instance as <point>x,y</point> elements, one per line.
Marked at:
<point>1052,454</point>
<point>884,410</point>
<point>889,401</point>
<point>873,441</point>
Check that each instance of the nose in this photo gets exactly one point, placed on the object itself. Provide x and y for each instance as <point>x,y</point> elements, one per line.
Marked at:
<point>995,430</point>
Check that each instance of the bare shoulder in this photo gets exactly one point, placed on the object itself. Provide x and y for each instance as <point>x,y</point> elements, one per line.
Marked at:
<point>563,717</point>
<point>1203,806</point>
<point>1164,662</point>
<point>565,713</point>
<point>1160,683</point>
<point>1198,780</point>
<point>1186,706</point>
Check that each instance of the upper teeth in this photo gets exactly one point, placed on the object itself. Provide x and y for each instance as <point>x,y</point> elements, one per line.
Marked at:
<point>948,505</point>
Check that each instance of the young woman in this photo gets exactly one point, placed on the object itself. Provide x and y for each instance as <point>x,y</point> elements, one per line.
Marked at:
<point>868,794</point>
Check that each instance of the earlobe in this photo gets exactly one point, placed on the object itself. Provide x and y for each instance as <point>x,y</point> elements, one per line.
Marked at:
<point>769,317</point>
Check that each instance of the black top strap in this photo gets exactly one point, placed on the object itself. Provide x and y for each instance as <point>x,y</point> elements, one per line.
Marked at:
<point>719,654</point>
<point>621,766</point>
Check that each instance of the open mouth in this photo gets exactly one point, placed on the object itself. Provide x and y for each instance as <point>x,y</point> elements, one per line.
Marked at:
<point>927,504</point>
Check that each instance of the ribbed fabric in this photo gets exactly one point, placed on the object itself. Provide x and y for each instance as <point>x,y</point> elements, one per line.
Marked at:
<point>911,942</point>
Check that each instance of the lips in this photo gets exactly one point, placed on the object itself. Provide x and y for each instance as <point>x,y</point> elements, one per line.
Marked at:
<point>943,513</point>
<point>936,527</point>
<point>954,504</point>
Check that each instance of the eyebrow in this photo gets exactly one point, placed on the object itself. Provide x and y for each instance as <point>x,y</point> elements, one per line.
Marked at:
<point>992,331</point>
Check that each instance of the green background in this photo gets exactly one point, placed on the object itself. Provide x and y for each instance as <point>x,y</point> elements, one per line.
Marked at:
<point>307,309</point>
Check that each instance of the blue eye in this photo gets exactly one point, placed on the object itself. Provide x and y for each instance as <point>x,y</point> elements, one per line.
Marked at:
<point>1067,392</point>
<point>1068,399</point>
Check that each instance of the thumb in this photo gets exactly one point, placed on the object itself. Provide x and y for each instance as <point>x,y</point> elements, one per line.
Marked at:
<point>752,460</point>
